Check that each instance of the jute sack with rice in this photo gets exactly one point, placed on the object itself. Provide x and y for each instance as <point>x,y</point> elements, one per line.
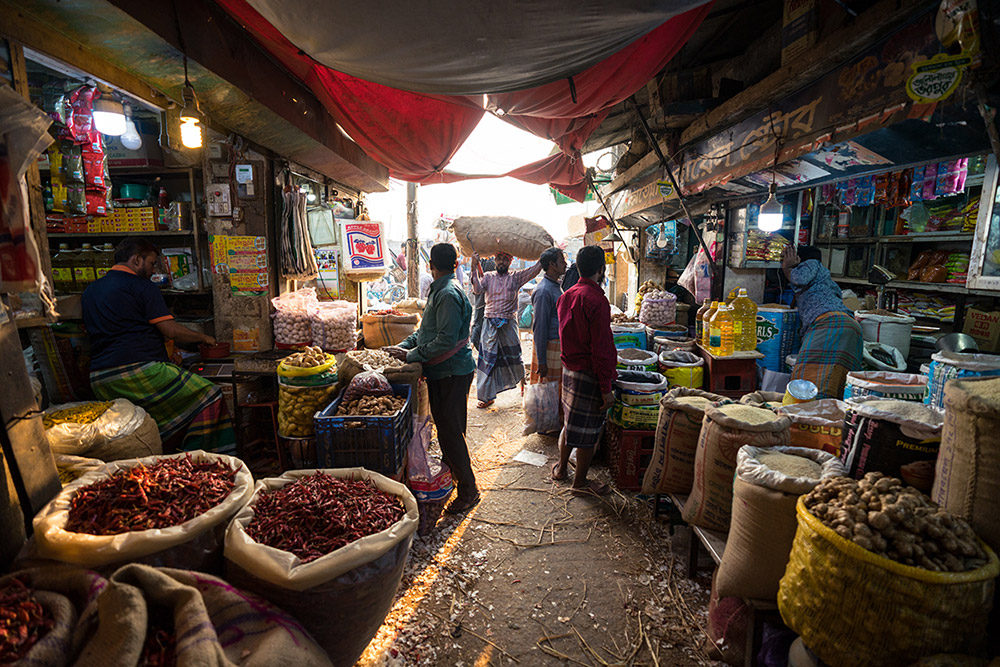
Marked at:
<point>768,483</point>
<point>724,430</point>
<point>967,476</point>
<point>817,424</point>
<point>898,438</point>
<point>763,399</point>
<point>489,235</point>
<point>671,468</point>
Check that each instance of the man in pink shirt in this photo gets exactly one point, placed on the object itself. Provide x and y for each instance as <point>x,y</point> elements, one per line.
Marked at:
<point>500,366</point>
<point>589,359</point>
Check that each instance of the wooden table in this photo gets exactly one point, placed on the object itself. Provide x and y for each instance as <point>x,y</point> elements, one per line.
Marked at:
<point>715,544</point>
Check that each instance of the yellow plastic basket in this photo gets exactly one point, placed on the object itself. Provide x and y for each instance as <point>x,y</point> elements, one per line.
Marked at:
<point>853,607</point>
<point>296,371</point>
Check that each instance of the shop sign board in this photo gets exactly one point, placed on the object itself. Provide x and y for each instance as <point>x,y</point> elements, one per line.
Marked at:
<point>648,196</point>
<point>865,94</point>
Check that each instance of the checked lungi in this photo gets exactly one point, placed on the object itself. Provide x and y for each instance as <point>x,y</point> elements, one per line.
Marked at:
<point>500,366</point>
<point>180,402</point>
<point>583,418</point>
<point>831,348</point>
<point>553,364</point>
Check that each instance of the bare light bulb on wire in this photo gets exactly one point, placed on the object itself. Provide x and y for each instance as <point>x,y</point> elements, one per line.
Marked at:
<point>131,139</point>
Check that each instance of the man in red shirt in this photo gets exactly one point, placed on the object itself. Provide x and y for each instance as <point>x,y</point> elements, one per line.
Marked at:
<point>589,359</point>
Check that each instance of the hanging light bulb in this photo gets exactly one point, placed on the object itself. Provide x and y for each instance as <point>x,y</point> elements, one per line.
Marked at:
<point>109,116</point>
<point>771,213</point>
<point>190,115</point>
<point>130,139</point>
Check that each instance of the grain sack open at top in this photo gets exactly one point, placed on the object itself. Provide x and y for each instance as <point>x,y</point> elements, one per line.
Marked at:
<point>489,235</point>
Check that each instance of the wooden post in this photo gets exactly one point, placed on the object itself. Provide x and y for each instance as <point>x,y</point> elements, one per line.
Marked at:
<point>412,253</point>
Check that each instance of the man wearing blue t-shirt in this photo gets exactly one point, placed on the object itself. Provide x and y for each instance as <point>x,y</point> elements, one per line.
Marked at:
<point>127,321</point>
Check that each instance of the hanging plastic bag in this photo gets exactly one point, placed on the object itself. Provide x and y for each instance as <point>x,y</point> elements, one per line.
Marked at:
<point>292,324</point>
<point>541,408</point>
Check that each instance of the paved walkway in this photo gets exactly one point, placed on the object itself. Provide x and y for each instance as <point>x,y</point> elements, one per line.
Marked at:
<point>538,576</point>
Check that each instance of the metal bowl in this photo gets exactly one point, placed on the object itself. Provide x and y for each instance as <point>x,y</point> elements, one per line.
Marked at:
<point>956,342</point>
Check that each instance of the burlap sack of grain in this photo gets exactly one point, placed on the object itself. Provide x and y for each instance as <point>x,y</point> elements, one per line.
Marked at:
<point>894,437</point>
<point>767,399</point>
<point>383,330</point>
<point>967,475</point>
<point>671,468</point>
<point>724,430</point>
<point>763,524</point>
<point>122,431</point>
<point>213,623</point>
<point>817,424</point>
<point>69,594</point>
<point>489,235</point>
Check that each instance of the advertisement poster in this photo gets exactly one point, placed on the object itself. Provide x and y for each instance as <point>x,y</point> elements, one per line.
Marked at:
<point>364,247</point>
<point>244,258</point>
<point>328,280</point>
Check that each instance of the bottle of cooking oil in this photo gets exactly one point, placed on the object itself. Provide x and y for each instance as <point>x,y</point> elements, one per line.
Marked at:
<point>62,269</point>
<point>732,296</point>
<point>699,320</point>
<point>745,322</point>
<point>83,267</point>
<point>720,337</point>
<point>104,260</point>
<point>706,321</point>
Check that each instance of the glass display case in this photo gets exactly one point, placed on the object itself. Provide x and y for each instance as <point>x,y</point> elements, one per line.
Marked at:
<point>984,266</point>
<point>750,248</point>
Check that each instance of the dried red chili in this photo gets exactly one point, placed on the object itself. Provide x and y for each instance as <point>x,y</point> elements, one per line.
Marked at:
<point>167,493</point>
<point>317,514</point>
<point>23,621</point>
<point>160,647</point>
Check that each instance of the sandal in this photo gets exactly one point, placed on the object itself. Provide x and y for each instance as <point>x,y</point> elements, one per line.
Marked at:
<point>482,405</point>
<point>556,476</point>
<point>462,505</point>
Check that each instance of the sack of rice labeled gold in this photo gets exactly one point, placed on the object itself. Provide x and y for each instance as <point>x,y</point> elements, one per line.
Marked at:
<point>853,607</point>
<point>769,481</point>
<point>724,430</point>
<point>671,468</point>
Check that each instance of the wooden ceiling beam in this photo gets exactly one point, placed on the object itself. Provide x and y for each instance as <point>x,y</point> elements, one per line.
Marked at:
<point>836,49</point>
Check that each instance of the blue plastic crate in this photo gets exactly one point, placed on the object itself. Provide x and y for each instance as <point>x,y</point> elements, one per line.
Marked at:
<point>376,443</point>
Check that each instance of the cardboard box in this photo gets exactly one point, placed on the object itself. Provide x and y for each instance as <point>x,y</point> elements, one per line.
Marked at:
<point>984,327</point>
<point>149,154</point>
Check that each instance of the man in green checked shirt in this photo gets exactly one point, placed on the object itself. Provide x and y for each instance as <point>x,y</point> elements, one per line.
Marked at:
<point>441,344</point>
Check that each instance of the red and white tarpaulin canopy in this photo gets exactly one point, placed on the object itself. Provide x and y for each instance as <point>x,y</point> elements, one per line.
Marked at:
<point>407,80</point>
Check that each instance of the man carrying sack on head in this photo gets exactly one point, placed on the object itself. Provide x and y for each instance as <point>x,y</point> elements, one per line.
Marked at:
<point>500,365</point>
<point>127,321</point>
<point>441,344</point>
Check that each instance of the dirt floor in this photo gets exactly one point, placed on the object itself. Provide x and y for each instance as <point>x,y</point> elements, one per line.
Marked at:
<point>538,576</point>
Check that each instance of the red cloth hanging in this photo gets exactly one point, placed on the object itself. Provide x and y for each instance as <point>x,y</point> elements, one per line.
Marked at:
<point>415,135</point>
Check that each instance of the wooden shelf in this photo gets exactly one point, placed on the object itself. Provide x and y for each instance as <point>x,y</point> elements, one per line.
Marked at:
<point>77,235</point>
<point>853,281</point>
<point>901,238</point>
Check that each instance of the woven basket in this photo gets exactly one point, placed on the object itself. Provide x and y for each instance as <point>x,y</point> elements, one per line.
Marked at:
<point>852,607</point>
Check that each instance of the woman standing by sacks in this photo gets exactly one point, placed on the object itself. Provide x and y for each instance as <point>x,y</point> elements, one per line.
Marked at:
<point>831,338</point>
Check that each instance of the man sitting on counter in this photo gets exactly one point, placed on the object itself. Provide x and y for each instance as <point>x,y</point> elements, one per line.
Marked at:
<point>127,322</point>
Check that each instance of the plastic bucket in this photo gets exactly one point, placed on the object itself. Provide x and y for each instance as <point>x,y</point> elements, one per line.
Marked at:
<point>894,330</point>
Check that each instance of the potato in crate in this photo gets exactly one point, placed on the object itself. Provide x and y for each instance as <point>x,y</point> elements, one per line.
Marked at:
<point>369,439</point>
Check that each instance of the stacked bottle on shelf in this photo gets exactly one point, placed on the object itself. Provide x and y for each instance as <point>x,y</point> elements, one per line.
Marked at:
<point>729,326</point>
<point>74,270</point>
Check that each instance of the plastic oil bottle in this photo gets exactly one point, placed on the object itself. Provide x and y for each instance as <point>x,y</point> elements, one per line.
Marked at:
<point>83,267</point>
<point>62,269</point>
<point>706,322</point>
<point>699,320</point>
<point>732,296</point>
<point>721,341</point>
<point>745,322</point>
<point>104,260</point>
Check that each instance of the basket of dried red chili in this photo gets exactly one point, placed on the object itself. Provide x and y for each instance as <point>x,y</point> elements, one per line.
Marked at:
<point>164,510</point>
<point>23,620</point>
<point>329,547</point>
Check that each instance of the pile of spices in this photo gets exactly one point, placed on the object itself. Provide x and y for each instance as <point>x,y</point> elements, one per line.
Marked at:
<point>160,647</point>
<point>317,514</point>
<point>167,493</point>
<point>23,621</point>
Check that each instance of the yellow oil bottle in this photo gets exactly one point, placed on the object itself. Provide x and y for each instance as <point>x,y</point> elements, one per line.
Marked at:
<point>706,321</point>
<point>83,267</point>
<point>745,322</point>
<point>62,269</point>
<point>699,320</point>
<point>720,338</point>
